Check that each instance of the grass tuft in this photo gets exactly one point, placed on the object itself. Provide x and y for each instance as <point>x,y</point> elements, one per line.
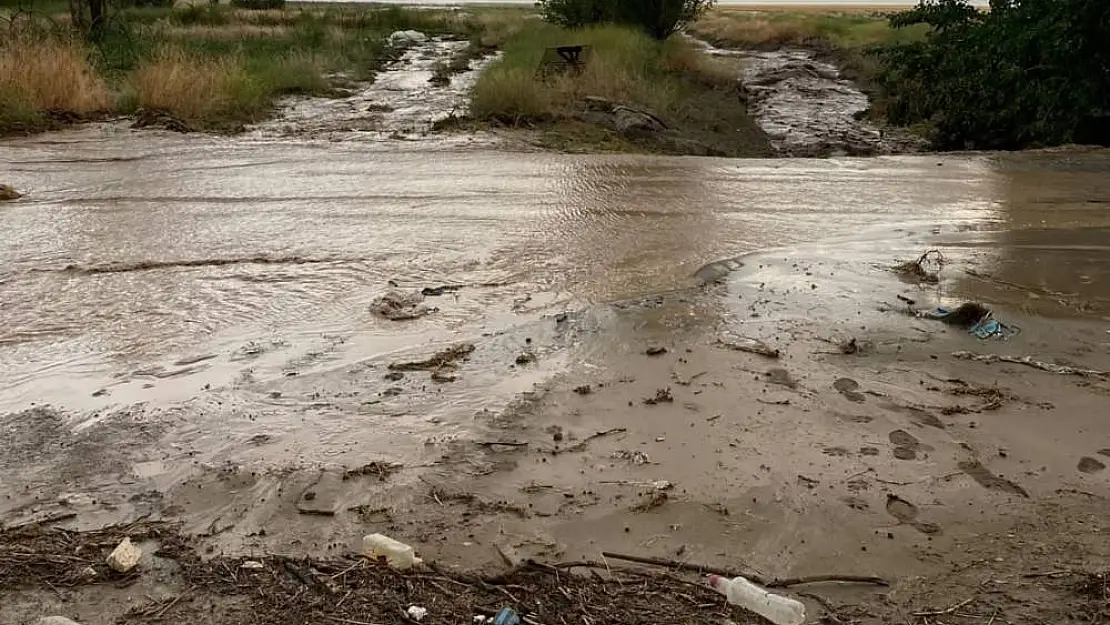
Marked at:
<point>48,74</point>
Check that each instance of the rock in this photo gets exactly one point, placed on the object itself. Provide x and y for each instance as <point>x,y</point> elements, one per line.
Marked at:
<point>402,38</point>
<point>398,306</point>
<point>54,620</point>
<point>598,103</point>
<point>8,193</point>
<point>629,121</point>
<point>124,557</point>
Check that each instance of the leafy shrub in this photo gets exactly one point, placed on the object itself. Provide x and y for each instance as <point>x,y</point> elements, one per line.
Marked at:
<point>1026,73</point>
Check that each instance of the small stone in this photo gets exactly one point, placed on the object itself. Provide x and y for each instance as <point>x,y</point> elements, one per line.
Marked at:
<point>416,612</point>
<point>124,557</point>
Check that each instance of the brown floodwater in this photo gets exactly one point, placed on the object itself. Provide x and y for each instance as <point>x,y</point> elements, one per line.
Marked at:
<point>218,290</point>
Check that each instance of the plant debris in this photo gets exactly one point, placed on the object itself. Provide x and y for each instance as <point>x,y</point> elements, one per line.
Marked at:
<point>446,359</point>
<point>749,345</point>
<point>926,268</point>
<point>380,469</point>
<point>398,306</point>
<point>661,396</point>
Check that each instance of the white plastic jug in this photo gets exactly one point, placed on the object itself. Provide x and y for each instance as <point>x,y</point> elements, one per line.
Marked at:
<point>397,554</point>
<point>775,608</point>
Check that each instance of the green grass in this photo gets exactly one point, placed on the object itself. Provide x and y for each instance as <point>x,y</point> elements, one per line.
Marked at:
<point>624,65</point>
<point>694,94</point>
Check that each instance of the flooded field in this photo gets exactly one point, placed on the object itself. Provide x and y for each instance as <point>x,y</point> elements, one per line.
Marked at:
<point>189,333</point>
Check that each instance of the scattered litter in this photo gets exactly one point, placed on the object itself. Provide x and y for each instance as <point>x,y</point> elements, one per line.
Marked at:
<point>1030,362</point>
<point>635,457</point>
<point>397,554</point>
<point>505,616</point>
<point>662,485</point>
<point>926,268</point>
<point>416,612</point>
<point>398,306</point>
<point>775,608</point>
<point>479,619</point>
<point>977,319</point>
<point>749,345</point>
<point>446,359</point>
<point>252,565</point>
<point>662,396</point>
<point>124,557</point>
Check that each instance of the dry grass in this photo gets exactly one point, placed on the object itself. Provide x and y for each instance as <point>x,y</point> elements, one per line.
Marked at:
<point>231,32</point>
<point>837,28</point>
<point>187,86</point>
<point>50,74</point>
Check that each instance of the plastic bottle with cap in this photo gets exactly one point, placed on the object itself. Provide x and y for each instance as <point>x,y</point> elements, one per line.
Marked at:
<point>775,608</point>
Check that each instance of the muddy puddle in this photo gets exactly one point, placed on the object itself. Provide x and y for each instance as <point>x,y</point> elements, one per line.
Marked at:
<point>403,102</point>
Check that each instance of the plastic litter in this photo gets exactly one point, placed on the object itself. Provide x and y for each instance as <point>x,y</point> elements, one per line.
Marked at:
<point>397,554</point>
<point>416,612</point>
<point>506,617</point>
<point>976,318</point>
<point>775,608</point>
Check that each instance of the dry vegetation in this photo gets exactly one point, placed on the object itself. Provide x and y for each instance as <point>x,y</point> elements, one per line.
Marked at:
<point>38,76</point>
<point>188,85</point>
<point>212,67</point>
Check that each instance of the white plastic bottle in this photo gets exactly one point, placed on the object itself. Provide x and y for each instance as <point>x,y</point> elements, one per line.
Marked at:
<point>397,554</point>
<point>775,608</point>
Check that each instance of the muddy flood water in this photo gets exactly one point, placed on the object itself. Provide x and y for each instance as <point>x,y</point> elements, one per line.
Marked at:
<point>188,332</point>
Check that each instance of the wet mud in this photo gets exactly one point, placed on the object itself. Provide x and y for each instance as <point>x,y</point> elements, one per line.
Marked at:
<point>402,103</point>
<point>268,409</point>
<point>806,108</point>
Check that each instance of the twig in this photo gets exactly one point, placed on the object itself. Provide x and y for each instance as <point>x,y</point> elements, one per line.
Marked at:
<point>1029,362</point>
<point>948,610</point>
<point>174,602</point>
<point>347,570</point>
<point>503,443</point>
<point>581,445</point>
<point>779,583</point>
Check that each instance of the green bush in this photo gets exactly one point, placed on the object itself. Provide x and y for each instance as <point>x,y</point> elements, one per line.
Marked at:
<point>1025,73</point>
<point>658,18</point>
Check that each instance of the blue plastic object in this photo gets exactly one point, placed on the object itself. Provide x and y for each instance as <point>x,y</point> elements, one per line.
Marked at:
<point>506,617</point>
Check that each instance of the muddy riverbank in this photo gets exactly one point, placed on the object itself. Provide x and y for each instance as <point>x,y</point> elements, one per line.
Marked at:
<point>212,358</point>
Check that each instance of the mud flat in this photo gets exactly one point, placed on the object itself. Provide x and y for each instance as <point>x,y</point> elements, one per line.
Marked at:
<point>583,384</point>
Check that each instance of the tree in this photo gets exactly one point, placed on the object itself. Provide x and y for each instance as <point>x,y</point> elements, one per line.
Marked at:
<point>658,18</point>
